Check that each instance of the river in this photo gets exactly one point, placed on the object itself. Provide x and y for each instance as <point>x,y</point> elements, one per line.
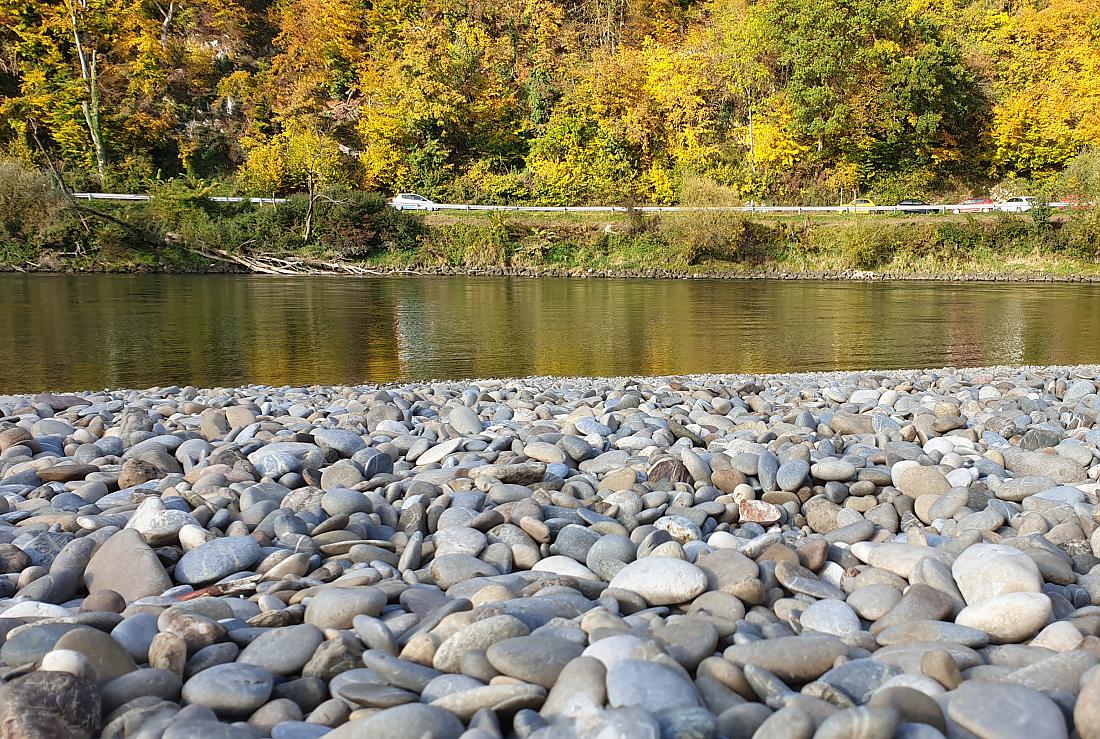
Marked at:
<point>69,332</point>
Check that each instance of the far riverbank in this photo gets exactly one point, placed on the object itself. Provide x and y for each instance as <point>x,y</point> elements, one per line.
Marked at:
<point>357,233</point>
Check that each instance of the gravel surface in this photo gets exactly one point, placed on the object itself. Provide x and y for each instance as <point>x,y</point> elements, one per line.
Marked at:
<point>873,554</point>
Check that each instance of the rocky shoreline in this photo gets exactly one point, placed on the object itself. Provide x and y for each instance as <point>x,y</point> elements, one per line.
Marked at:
<point>874,554</point>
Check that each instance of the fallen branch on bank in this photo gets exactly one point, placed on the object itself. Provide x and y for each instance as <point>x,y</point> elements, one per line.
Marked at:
<point>272,265</point>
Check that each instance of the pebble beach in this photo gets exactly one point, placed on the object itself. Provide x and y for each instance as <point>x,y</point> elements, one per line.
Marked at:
<point>840,556</point>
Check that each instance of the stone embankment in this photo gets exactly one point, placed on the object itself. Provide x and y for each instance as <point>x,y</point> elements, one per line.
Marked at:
<point>879,554</point>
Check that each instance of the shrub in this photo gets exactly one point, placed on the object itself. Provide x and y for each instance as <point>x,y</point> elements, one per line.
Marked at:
<point>1081,233</point>
<point>721,235</point>
<point>347,223</point>
<point>32,210</point>
<point>488,244</point>
<point>351,223</point>
<point>704,191</point>
<point>867,245</point>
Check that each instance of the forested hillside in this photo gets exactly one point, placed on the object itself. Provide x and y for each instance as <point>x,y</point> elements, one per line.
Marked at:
<point>554,101</point>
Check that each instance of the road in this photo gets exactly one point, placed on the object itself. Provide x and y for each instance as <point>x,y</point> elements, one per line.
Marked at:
<point>795,209</point>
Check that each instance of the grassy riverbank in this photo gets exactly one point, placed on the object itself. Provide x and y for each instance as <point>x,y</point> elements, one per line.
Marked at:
<point>43,231</point>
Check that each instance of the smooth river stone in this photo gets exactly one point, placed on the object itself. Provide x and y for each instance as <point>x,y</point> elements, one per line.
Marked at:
<point>343,442</point>
<point>928,631</point>
<point>1008,619</point>
<point>833,470</point>
<point>336,608</point>
<point>126,565</point>
<point>478,635</point>
<point>834,617</point>
<point>230,690</point>
<point>559,564</point>
<point>581,683</point>
<point>859,678</point>
<point>790,658</point>
<point>283,651</point>
<point>792,475</point>
<point>661,580</point>
<point>163,684</point>
<point>410,721</point>
<point>49,704</point>
<point>648,685</point>
<point>459,540</point>
<point>216,559</point>
<point>896,557</point>
<point>984,571</point>
<point>1038,464</point>
<point>990,710</point>
<point>609,554</point>
<point>916,481</point>
<point>109,658</point>
<point>464,420</point>
<point>533,659</point>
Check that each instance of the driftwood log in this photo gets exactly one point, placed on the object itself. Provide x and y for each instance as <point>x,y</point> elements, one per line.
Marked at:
<point>271,265</point>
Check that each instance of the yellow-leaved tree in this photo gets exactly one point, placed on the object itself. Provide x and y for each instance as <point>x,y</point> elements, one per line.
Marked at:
<point>300,158</point>
<point>1048,85</point>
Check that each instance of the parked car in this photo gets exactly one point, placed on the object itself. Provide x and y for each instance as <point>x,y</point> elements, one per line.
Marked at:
<point>861,205</point>
<point>908,206</point>
<point>1017,204</point>
<point>411,201</point>
<point>975,205</point>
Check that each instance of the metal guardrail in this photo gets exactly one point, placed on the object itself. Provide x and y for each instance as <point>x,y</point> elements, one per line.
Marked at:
<point>132,198</point>
<point>796,209</point>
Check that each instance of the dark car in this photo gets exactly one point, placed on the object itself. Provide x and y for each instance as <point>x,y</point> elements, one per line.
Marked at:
<point>911,203</point>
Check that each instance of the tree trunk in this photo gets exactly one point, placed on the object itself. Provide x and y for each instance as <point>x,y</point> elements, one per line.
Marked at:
<point>307,230</point>
<point>90,106</point>
<point>752,143</point>
<point>167,15</point>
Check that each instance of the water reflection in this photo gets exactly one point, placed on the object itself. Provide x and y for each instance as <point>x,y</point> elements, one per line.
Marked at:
<point>67,332</point>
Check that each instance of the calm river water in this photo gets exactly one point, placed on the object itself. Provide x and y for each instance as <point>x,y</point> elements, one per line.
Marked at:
<point>96,331</point>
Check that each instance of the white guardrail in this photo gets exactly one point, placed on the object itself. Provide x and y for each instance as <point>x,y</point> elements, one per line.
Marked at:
<point>942,208</point>
<point>141,198</point>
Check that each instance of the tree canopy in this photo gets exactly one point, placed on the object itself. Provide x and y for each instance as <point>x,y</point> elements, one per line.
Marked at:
<point>553,101</point>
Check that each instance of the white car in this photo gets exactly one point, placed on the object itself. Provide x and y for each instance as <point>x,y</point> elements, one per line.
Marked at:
<point>411,201</point>
<point>1018,204</point>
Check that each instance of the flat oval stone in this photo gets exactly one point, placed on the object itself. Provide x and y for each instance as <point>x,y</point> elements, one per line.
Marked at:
<point>163,684</point>
<point>109,658</point>
<point>410,721</point>
<point>987,570</point>
<point>336,608</point>
<point>479,635</point>
<point>50,704</point>
<point>833,617</point>
<point>790,658</point>
<point>791,475</point>
<point>283,651</point>
<point>230,690</point>
<point>649,685</point>
<point>661,580</point>
<point>836,470</point>
<point>533,659</point>
<point>216,559</point>
<point>1010,618</point>
<point>991,710</point>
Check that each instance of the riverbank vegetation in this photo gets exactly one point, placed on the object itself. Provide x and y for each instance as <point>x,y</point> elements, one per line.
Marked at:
<point>554,101</point>
<point>182,230</point>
